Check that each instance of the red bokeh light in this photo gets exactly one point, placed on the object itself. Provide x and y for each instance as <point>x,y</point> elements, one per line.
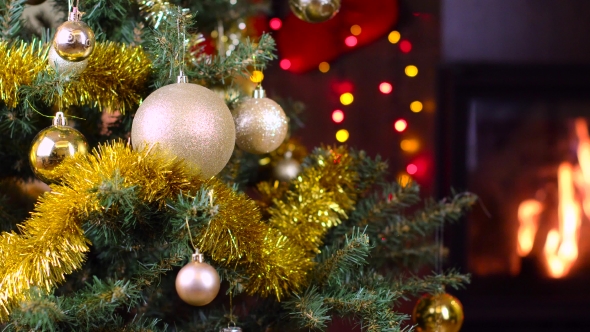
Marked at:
<point>412,169</point>
<point>405,46</point>
<point>400,125</point>
<point>275,23</point>
<point>285,64</point>
<point>338,116</point>
<point>351,41</point>
<point>341,87</point>
<point>385,88</point>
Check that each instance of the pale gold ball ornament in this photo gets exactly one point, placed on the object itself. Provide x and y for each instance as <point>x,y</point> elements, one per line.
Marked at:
<point>74,40</point>
<point>438,313</point>
<point>261,124</point>
<point>189,122</point>
<point>287,168</point>
<point>197,283</point>
<point>315,11</point>
<point>52,146</point>
<point>231,329</point>
<point>64,67</point>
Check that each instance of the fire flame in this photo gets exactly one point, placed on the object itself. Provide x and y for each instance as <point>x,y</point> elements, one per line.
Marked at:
<point>561,245</point>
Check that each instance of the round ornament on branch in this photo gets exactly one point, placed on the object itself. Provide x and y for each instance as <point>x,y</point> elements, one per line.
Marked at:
<point>261,124</point>
<point>197,283</point>
<point>187,121</point>
<point>314,11</point>
<point>287,168</point>
<point>54,144</point>
<point>438,313</point>
<point>231,329</point>
<point>65,67</point>
<point>74,40</point>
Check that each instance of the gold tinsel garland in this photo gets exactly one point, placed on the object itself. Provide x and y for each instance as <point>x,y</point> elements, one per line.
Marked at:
<point>116,75</point>
<point>51,243</point>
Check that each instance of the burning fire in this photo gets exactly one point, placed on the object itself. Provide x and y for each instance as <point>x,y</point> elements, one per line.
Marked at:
<point>561,245</point>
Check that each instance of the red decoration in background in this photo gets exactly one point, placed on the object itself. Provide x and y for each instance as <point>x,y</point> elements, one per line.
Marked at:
<point>405,46</point>
<point>306,45</point>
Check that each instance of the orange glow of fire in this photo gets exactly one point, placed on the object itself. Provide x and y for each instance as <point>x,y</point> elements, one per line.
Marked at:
<point>561,245</point>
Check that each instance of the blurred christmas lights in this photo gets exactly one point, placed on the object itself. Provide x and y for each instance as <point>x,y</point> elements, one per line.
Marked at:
<point>416,106</point>
<point>412,169</point>
<point>338,116</point>
<point>324,67</point>
<point>350,41</point>
<point>285,64</point>
<point>410,145</point>
<point>405,46</point>
<point>275,23</point>
<point>385,88</point>
<point>411,70</point>
<point>400,125</point>
<point>346,98</point>
<point>342,135</point>
<point>394,37</point>
<point>356,30</point>
<point>404,179</point>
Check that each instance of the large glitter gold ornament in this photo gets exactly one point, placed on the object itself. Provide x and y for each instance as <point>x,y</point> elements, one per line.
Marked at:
<point>187,121</point>
<point>64,67</point>
<point>438,313</point>
<point>74,40</point>
<point>52,146</point>
<point>197,283</point>
<point>261,124</point>
<point>314,11</point>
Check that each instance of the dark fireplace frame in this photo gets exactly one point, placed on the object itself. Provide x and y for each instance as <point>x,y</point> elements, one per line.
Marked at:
<point>495,303</point>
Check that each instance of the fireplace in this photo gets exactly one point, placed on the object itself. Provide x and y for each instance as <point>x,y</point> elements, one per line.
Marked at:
<point>518,136</point>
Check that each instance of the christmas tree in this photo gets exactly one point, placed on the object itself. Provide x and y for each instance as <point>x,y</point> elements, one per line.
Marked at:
<point>268,236</point>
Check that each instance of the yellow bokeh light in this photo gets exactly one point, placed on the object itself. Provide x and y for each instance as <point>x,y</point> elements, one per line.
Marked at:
<point>342,135</point>
<point>410,145</point>
<point>346,98</point>
<point>411,70</point>
<point>264,161</point>
<point>416,106</point>
<point>324,67</point>
<point>257,76</point>
<point>394,37</point>
<point>356,30</point>
<point>404,179</point>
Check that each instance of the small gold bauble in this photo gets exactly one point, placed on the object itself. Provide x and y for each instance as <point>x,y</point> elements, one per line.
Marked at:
<point>287,168</point>
<point>197,283</point>
<point>261,125</point>
<point>438,313</point>
<point>52,145</point>
<point>231,329</point>
<point>64,67</point>
<point>74,41</point>
<point>315,11</point>
<point>189,122</point>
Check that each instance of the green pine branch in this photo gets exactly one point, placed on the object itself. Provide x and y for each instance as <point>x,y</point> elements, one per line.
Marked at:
<point>10,22</point>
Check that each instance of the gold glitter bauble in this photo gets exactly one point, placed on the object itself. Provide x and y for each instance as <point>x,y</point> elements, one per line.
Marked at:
<point>74,41</point>
<point>52,145</point>
<point>438,313</point>
<point>65,67</point>
<point>197,283</point>
<point>261,125</point>
<point>315,11</point>
<point>187,121</point>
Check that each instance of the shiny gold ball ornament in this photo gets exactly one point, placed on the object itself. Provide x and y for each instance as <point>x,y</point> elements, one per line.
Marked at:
<point>54,144</point>
<point>197,283</point>
<point>287,168</point>
<point>438,313</point>
<point>74,40</point>
<point>315,11</point>
<point>187,121</point>
<point>64,67</point>
<point>261,124</point>
<point>231,329</point>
